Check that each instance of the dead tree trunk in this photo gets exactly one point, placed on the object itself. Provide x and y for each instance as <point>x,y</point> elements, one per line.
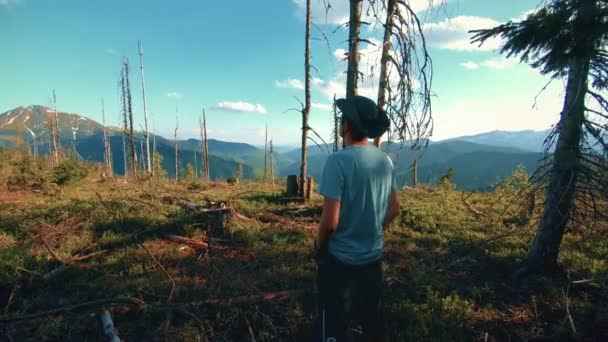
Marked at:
<point>336,128</point>
<point>306,109</point>
<point>385,60</point>
<point>175,140</point>
<point>561,193</point>
<point>124,154</point>
<point>415,173</point>
<point>143,90</point>
<point>266,155</point>
<point>354,29</point>
<point>125,121</point>
<point>128,113</point>
<point>55,131</point>
<point>240,172</point>
<point>195,164</point>
<point>271,163</point>
<point>141,155</point>
<point>202,132</point>
<point>107,158</point>
<point>207,166</point>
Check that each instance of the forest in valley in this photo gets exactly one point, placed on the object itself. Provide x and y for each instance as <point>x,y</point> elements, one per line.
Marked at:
<point>122,234</point>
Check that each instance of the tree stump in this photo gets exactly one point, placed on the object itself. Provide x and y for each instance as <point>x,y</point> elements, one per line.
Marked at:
<point>310,184</point>
<point>293,185</point>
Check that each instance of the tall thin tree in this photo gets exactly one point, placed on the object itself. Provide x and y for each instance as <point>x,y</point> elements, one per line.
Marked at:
<point>354,32</point>
<point>143,90</point>
<point>128,116</point>
<point>175,140</point>
<point>55,131</point>
<point>391,8</point>
<point>153,142</point>
<point>266,154</point>
<point>271,163</point>
<point>567,39</point>
<point>306,109</point>
<point>335,129</point>
<point>207,166</point>
<point>202,132</point>
<point>107,158</point>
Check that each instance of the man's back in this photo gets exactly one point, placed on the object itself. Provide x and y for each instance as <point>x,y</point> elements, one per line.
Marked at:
<point>362,179</point>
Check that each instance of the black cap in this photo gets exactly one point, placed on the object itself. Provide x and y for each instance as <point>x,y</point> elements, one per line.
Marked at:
<point>365,114</point>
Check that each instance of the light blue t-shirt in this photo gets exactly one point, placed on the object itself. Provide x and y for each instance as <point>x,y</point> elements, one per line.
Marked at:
<point>362,178</point>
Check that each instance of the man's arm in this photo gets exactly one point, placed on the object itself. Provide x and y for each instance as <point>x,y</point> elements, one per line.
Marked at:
<point>329,222</point>
<point>393,209</point>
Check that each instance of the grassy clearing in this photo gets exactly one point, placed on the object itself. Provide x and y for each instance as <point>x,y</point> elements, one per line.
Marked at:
<point>447,268</point>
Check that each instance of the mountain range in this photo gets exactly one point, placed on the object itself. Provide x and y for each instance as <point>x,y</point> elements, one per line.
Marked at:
<point>477,160</point>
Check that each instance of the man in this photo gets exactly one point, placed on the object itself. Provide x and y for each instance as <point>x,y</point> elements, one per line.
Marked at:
<point>360,199</point>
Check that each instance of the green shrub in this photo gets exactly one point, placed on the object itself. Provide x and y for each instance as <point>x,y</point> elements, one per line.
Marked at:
<point>26,173</point>
<point>68,171</point>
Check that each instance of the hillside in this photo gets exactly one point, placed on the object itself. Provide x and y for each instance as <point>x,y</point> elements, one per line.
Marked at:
<point>478,160</point>
<point>475,166</point>
<point>29,124</point>
<point>528,140</point>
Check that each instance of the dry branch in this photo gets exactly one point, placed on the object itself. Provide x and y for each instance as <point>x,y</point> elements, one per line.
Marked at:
<point>474,210</point>
<point>241,300</point>
<point>187,241</point>
<point>162,268</point>
<point>81,306</point>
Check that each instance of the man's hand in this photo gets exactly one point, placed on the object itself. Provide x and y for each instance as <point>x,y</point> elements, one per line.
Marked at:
<point>329,222</point>
<point>393,210</point>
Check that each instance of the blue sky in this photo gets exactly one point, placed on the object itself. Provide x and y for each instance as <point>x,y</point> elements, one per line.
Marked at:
<point>243,62</point>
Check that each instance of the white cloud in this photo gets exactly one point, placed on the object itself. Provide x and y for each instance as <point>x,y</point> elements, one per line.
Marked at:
<point>453,34</point>
<point>498,63</point>
<point>110,51</point>
<point>240,107</point>
<point>174,95</point>
<point>492,63</point>
<point>329,88</point>
<point>470,65</point>
<point>321,106</point>
<point>5,2</point>
<point>290,83</point>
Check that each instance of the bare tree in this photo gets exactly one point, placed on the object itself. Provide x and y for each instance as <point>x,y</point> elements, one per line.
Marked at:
<point>195,163</point>
<point>153,142</point>
<point>336,126</point>
<point>404,87</point>
<point>107,157</point>
<point>54,124</point>
<point>207,165</point>
<point>266,154</point>
<point>306,109</point>
<point>354,32</point>
<point>143,89</point>
<point>175,136</point>
<point>271,163</point>
<point>128,116</point>
<point>204,146</point>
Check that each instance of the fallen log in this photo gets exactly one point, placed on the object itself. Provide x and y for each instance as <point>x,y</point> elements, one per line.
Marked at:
<point>107,326</point>
<point>139,304</point>
<point>241,300</point>
<point>81,306</point>
<point>187,241</point>
<point>69,262</point>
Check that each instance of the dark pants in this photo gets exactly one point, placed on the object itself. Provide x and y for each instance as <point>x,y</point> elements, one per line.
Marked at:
<point>348,294</point>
